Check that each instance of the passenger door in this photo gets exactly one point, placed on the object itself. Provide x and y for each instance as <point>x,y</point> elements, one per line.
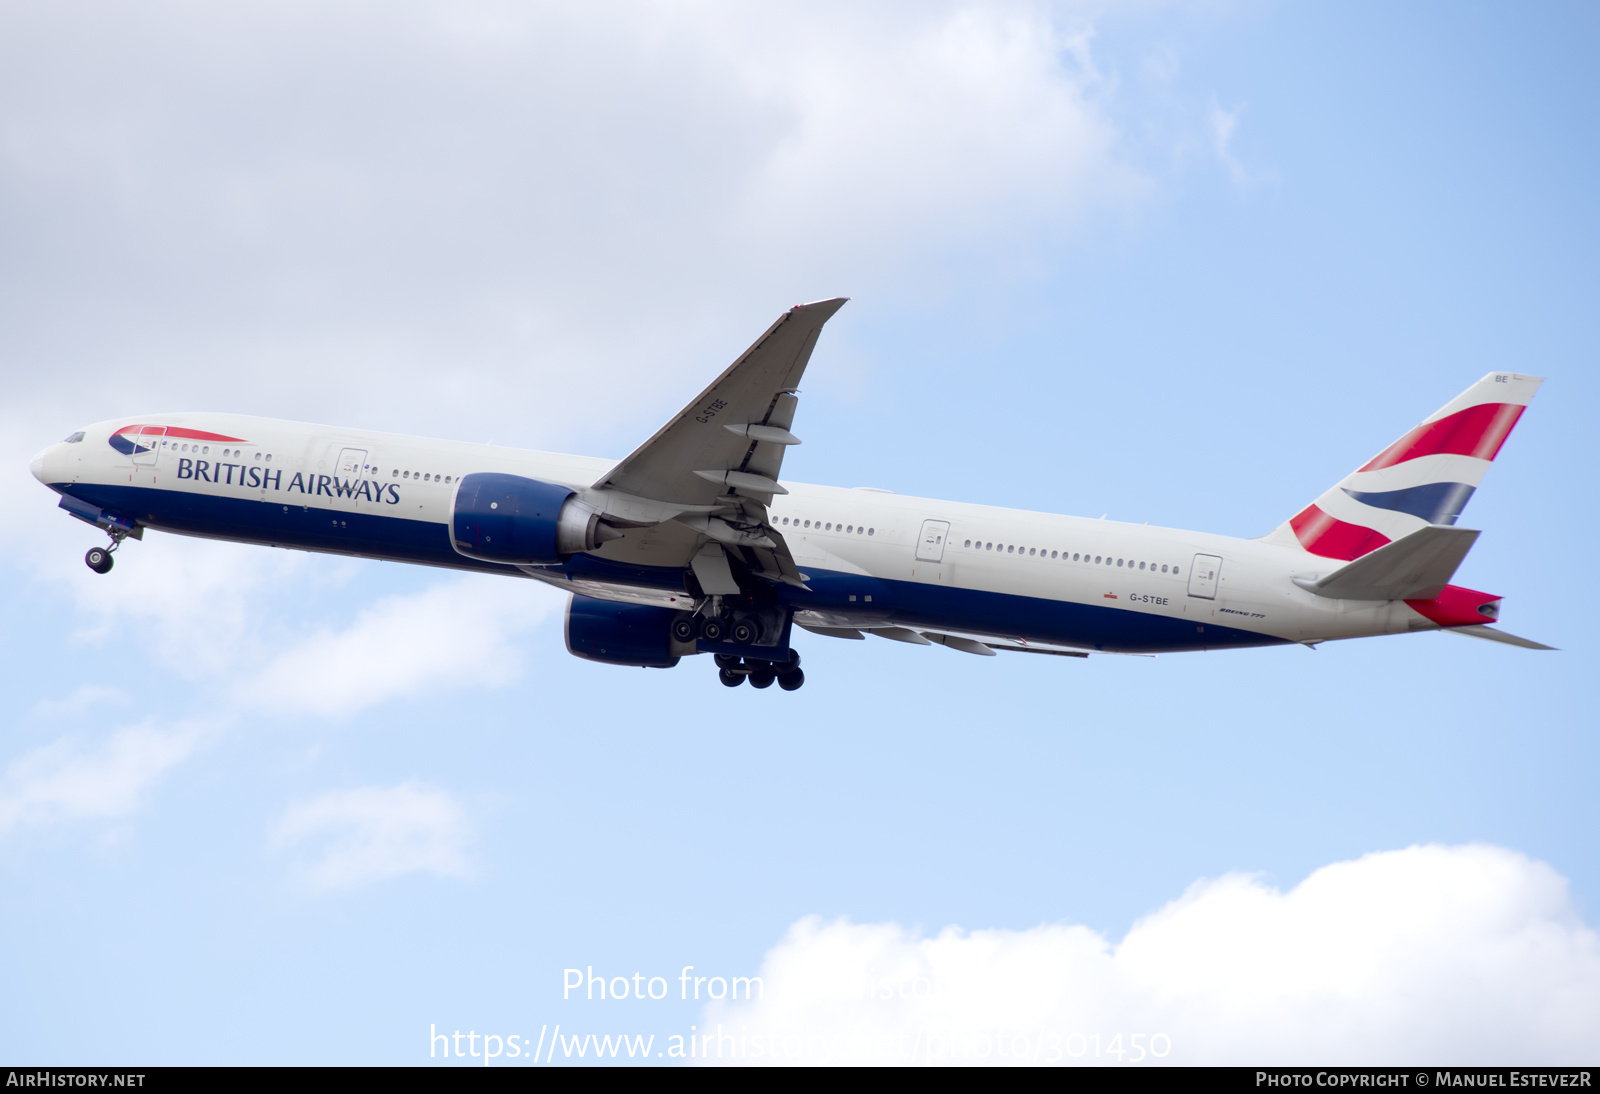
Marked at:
<point>146,448</point>
<point>930,544</point>
<point>147,445</point>
<point>929,564</point>
<point>346,467</point>
<point>1204,573</point>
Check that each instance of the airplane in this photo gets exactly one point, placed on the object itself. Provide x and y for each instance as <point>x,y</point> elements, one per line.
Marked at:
<point>692,544</point>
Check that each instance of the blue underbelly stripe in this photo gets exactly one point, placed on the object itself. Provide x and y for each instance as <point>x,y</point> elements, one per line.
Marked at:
<point>1009,615</point>
<point>898,603</point>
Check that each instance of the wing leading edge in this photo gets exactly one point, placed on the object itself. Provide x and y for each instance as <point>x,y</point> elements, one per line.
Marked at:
<point>714,467</point>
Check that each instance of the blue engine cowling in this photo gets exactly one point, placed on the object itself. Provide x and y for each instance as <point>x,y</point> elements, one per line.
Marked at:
<point>621,634</point>
<point>507,518</point>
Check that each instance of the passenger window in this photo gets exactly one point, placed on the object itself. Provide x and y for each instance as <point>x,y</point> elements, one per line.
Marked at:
<point>1032,551</point>
<point>1174,571</point>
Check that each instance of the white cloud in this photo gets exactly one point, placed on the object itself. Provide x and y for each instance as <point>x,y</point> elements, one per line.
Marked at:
<point>450,217</point>
<point>82,700</point>
<point>371,833</point>
<point>452,635</point>
<point>944,124</point>
<point>208,611</point>
<point>73,780</point>
<point>1223,125</point>
<point>446,215</point>
<point>200,608</point>
<point>1471,955</point>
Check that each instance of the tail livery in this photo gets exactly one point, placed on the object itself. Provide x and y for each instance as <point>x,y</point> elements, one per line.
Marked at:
<point>1426,477</point>
<point>1413,491</point>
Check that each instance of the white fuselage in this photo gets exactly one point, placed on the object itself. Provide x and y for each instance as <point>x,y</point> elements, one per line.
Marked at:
<point>1024,576</point>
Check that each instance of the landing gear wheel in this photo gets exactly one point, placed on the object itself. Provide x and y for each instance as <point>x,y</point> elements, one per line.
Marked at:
<point>727,660</point>
<point>683,628</point>
<point>711,629</point>
<point>791,681</point>
<point>729,678</point>
<point>745,632</point>
<point>762,678</point>
<point>98,559</point>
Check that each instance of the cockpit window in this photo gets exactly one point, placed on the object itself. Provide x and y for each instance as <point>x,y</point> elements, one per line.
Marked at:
<point>75,438</point>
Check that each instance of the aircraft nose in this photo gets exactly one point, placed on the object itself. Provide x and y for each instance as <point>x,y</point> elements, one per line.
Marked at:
<point>37,466</point>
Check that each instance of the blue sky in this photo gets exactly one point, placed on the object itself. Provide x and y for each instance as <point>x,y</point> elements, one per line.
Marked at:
<point>1179,263</point>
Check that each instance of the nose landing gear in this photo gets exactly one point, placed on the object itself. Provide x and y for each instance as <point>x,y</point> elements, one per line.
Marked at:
<point>99,559</point>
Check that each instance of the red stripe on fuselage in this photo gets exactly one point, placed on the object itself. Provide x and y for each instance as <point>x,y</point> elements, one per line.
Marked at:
<point>180,432</point>
<point>1476,431</point>
<point>1331,537</point>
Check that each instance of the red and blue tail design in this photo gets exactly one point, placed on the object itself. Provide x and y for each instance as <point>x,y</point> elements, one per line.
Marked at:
<point>1426,477</point>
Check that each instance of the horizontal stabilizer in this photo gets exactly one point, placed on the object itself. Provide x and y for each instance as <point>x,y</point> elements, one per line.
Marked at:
<point>1415,567</point>
<point>1478,630</point>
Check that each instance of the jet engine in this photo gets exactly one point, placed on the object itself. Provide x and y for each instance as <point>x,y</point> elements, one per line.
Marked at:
<point>623,634</point>
<point>507,518</point>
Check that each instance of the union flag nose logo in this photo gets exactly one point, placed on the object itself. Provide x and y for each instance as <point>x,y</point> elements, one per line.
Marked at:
<point>137,439</point>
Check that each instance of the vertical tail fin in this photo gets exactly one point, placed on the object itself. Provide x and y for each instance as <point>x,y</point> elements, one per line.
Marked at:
<point>1426,477</point>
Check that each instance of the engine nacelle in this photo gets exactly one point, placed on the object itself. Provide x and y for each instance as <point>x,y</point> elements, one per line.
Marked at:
<point>623,634</point>
<point>507,518</point>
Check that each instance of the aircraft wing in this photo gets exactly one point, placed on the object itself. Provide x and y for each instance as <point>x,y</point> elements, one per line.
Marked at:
<point>714,467</point>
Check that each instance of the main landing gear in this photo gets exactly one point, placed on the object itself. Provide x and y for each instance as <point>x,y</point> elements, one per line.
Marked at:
<point>733,670</point>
